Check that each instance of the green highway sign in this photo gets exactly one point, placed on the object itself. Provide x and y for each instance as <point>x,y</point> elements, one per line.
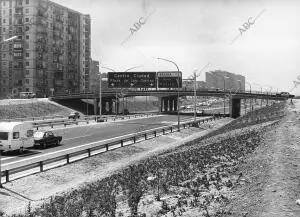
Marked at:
<point>131,79</point>
<point>169,79</point>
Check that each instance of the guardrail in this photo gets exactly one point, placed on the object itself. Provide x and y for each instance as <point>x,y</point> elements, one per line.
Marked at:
<point>40,163</point>
<point>87,120</point>
<point>33,118</point>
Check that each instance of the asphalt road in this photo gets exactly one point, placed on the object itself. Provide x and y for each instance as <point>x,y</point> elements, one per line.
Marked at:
<point>76,136</point>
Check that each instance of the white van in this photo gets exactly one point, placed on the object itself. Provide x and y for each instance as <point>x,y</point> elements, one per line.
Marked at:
<point>16,136</point>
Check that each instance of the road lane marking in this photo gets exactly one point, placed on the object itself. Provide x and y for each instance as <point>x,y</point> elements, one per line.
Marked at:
<point>71,148</point>
<point>78,137</point>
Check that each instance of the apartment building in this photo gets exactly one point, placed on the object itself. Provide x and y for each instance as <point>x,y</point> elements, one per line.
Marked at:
<point>52,50</point>
<point>188,84</point>
<point>218,78</point>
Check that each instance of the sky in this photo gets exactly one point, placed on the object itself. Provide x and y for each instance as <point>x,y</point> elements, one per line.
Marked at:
<point>193,33</point>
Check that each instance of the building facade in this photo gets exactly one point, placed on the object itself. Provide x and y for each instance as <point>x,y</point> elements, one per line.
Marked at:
<point>217,79</point>
<point>51,52</point>
<point>94,75</point>
<point>188,84</point>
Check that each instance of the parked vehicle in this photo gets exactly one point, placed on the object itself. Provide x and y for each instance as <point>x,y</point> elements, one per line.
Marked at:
<point>15,136</point>
<point>74,115</point>
<point>27,95</point>
<point>44,138</point>
<point>286,94</point>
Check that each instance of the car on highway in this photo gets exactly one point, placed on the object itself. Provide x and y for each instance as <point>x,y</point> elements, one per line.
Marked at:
<point>44,138</point>
<point>74,115</point>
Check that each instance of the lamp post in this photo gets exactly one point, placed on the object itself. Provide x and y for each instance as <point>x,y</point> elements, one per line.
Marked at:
<point>2,42</point>
<point>133,85</point>
<point>178,113</point>
<point>100,93</point>
<point>251,100</point>
<point>267,95</point>
<point>224,92</point>
<point>260,93</point>
<point>9,39</point>
<point>240,83</point>
<point>133,68</point>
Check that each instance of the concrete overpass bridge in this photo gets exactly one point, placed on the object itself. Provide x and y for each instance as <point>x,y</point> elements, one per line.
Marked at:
<point>168,98</point>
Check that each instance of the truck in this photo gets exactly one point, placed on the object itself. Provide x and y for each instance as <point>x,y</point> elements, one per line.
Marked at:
<point>16,136</point>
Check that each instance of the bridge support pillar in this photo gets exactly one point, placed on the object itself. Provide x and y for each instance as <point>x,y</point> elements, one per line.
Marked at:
<point>103,106</point>
<point>117,106</point>
<point>175,104</point>
<point>235,107</point>
<point>96,106</point>
<point>110,106</point>
<point>170,104</point>
<point>164,106</point>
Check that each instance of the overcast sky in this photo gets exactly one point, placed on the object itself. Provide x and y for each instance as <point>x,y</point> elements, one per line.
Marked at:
<point>193,33</point>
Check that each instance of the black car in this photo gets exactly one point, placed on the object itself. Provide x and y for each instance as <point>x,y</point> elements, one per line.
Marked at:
<point>44,138</point>
<point>74,115</point>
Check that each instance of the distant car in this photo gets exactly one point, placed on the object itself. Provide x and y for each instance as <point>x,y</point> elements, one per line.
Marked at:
<point>44,138</point>
<point>285,94</point>
<point>74,115</point>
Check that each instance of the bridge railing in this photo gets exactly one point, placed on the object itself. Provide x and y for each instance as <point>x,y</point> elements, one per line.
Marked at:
<point>46,161</point>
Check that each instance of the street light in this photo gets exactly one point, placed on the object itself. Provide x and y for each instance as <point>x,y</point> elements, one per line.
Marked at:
<point>133,97</point>
<point>133,68</point>
<point>251,100</point>
<point>9,39</point>
<point>100,93</point>
<point>178,114</point>
<point>260,93</point>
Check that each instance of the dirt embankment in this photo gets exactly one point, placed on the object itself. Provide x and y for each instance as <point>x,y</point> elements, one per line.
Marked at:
<point>272,173</point>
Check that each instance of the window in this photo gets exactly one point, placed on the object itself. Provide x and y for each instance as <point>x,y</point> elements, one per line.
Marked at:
<point>27,81</point>
<point>27,54</point>
<point>29,133</point>
<point>26,28</point>
<point>17,45</point>
<point>27,72</point>
<point>27,10</point>
<point>27,37</point>
<point>27,2</point>
<point>3,135</point>
<point>27,63</point>
<point>4,21</point>
<point>4,30</point>
<point>26,19</point>
<point>4,55</point>
<point>20,37</point>
<point>18,54</point>
<point>16,135</point>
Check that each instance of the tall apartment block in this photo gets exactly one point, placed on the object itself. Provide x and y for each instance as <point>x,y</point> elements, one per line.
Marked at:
<point>234,82</point>
<point>52,50</point>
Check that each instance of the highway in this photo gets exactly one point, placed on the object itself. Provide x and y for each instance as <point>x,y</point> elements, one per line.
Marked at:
<point>78,135</point>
